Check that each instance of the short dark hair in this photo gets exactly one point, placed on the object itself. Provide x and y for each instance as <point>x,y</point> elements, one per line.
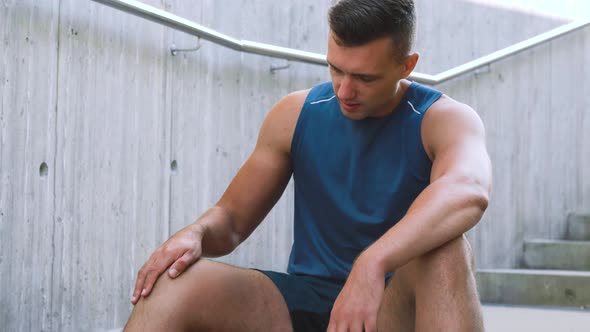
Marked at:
<point>357,22</point>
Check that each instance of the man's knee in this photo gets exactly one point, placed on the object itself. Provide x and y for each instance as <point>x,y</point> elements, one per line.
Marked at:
<point>165,283</point>
<point>173,300</point>
<point>212,296</point>
<point>450,262</point>
<point>448,266</point>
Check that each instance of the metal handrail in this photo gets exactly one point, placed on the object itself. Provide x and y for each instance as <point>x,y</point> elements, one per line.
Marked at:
<point>162,17</point>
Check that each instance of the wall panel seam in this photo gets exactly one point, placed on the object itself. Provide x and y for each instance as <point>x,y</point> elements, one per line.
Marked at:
<point>55,153</point>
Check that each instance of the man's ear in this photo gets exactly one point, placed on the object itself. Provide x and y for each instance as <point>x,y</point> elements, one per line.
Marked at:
<point>409,64</point>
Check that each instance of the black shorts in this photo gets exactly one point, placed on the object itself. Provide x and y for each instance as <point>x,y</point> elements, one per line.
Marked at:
<point>309,299</point>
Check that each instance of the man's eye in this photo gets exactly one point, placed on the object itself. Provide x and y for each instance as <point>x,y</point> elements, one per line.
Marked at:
<point>366,79</point>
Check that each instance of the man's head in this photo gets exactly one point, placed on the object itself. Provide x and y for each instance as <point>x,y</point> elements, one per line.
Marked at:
<point>369,53</point>
<point>358,22</point>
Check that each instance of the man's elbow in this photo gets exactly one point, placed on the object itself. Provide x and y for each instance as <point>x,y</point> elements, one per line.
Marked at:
<point>480,201</point>
<point>475,195</point>
<point>471,207</point>
<point>477,201</point>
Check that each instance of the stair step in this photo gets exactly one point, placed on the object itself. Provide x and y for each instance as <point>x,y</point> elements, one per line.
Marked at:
<point>559,255</point>
<point>578,227</point>
<point>534,287</point>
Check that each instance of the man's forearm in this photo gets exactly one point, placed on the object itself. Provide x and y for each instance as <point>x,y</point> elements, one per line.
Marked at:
<point>217,234</point>
<point>445,210</point>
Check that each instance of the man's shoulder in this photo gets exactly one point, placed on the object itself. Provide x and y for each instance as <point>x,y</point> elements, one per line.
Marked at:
<point>318,93</point>
<point>279,125</point>
<point>287,109</point>
<point>294,101</point>
<point>449,118</point>
<point>446,106</point>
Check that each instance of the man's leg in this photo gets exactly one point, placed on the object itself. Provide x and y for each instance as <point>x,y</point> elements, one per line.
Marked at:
<point>435,292</point>
<point>212,296</point>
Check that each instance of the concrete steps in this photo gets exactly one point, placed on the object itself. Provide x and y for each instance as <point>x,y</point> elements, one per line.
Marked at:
<point>553,273</point>
<point>557,254</point>
<point>578,227</point>
<point>535,287</point>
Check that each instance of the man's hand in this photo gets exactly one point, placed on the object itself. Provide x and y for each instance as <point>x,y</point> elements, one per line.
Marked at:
<point>356,308</point>
<point>178,253</point>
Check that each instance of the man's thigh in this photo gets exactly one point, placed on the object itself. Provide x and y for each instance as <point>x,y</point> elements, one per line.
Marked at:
<point>212,296</point>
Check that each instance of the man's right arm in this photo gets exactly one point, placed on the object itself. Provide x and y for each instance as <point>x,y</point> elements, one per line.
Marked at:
<point>250,196</point>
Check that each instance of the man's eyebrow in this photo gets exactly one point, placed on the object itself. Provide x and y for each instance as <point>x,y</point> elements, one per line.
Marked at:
<point>333,66</point>
<point>353,74</point>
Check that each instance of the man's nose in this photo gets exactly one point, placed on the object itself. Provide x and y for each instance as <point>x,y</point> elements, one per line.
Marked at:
<point>346,89</point>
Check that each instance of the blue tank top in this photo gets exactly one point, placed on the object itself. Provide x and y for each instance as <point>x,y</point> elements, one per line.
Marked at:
<point>354,179</point>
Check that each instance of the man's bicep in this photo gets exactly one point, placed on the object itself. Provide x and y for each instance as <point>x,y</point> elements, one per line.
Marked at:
<point>459,147</point>
<point>264,176</point>
<point>253,192</point>
<point>466,161</point>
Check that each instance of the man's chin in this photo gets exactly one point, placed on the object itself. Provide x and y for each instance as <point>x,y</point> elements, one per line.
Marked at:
<point>353,115</point>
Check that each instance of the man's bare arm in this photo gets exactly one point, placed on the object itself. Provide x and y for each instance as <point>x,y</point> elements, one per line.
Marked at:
<point>457,196</point>
<point>249,197</point>
<point>453,137</point>
<point>259,183</point>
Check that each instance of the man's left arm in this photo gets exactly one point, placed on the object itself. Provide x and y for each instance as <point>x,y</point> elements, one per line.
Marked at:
<point>454,138</point>
<point>457,196</point>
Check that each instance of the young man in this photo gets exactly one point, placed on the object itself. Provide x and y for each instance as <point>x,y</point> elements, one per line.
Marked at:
<point>388,176</point>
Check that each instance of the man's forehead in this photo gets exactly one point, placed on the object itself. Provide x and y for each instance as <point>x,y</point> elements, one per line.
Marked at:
<point>361,60</point>
<point>354,71</point>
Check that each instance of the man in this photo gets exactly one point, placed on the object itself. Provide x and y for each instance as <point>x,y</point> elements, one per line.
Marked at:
<point>388,176</point>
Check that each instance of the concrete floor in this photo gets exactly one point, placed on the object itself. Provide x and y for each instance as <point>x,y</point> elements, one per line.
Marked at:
<point>523,319</point>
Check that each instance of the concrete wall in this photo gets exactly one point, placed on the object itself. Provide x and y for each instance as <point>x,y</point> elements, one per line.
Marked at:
<point>108,144</point>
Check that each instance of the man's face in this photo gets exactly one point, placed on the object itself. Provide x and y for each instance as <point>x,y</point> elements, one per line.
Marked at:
<point>365,78</point>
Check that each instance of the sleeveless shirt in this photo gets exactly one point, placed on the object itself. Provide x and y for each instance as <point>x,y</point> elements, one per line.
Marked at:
<point>354,179</point>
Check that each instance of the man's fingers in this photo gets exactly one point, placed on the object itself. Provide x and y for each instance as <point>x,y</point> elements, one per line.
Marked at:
<point>182,263</point>
<point>351,324</point>
<point>149,273</point>
<point>153,272</point>
<point>357,327</point>
<point>370,326</point>
<point>332,323</point>
<point>138,285</point>
<point>331,327</point>
<point>150,280</point>
<point>183,249</point>
<point>339,326</point>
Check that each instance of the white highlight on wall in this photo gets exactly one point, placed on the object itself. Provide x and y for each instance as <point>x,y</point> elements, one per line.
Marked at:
<point>574,9</point>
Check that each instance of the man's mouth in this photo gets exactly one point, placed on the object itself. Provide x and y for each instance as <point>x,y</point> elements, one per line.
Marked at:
<point>349,106</point>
